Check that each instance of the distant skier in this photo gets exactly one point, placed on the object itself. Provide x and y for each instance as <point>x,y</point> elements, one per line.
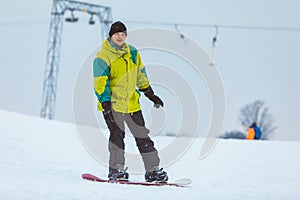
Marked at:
<point>119,75</point>
<point>254,132</point>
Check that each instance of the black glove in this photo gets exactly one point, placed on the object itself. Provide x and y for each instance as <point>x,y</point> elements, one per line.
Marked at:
<point>107,113</point>
<point>148,92</point>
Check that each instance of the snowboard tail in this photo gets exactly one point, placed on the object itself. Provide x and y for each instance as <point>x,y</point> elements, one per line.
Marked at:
<point>178,183</point>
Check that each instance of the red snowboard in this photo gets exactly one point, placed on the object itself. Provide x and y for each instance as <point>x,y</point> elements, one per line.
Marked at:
<point>178,183</point>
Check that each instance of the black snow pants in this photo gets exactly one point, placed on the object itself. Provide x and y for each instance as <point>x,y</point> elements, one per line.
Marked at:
<point>136,124</point>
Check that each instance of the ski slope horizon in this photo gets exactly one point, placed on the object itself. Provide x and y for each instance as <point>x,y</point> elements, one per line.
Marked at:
<point>43,159</point>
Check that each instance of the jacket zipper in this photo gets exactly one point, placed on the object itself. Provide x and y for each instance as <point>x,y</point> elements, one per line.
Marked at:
<point>127,109</point>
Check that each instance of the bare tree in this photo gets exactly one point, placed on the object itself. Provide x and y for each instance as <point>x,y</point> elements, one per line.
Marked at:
<point>257,112</point>
<point>234,135</point>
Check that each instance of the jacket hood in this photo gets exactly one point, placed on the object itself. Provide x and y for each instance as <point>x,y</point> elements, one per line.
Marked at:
<point>107,48</point>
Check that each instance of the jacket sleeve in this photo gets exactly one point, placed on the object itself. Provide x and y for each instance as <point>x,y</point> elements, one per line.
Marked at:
<point>101,80</point>
<point>142,79</point>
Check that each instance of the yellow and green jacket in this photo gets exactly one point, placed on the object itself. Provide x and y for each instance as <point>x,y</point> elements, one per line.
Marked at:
<point>118,74</point>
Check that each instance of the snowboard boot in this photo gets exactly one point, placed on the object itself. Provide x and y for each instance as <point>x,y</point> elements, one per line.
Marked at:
<point>119,174</point>
<point>156,175</point>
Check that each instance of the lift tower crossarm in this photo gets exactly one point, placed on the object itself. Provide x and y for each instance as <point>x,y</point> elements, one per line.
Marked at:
<point>59,7</point>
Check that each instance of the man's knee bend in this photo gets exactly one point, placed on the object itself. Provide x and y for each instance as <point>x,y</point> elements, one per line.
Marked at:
<point>115,135</point>
<point>145,145</point>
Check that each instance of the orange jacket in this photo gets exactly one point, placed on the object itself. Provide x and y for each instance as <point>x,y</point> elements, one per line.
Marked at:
<point>250,134</point>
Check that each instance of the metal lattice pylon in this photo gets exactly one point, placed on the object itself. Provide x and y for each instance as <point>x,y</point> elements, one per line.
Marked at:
<point>59,8</point>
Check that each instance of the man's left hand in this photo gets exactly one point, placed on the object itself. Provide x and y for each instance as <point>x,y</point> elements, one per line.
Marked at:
<point>157,101</point>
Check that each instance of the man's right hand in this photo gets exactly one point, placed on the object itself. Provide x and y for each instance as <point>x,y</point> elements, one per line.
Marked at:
<point>108,115</point>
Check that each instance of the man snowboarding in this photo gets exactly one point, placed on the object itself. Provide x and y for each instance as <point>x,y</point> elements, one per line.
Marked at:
<point>119,77</point>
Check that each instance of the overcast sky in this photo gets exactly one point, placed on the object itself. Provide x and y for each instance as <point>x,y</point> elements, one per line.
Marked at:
<point>254,63</point>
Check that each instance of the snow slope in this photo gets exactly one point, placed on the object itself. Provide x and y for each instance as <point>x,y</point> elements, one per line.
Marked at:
<point>43,159</point>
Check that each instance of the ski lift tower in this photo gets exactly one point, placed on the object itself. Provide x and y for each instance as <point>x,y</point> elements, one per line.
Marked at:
<point>59,7</point>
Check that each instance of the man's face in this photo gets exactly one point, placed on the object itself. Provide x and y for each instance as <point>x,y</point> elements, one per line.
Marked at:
<point>118,38</point>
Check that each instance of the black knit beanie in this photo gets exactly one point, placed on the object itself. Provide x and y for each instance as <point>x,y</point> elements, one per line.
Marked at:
<point>117,27</point>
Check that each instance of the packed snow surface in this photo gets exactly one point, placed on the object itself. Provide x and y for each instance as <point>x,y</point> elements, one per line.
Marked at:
<point>42,159</point>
